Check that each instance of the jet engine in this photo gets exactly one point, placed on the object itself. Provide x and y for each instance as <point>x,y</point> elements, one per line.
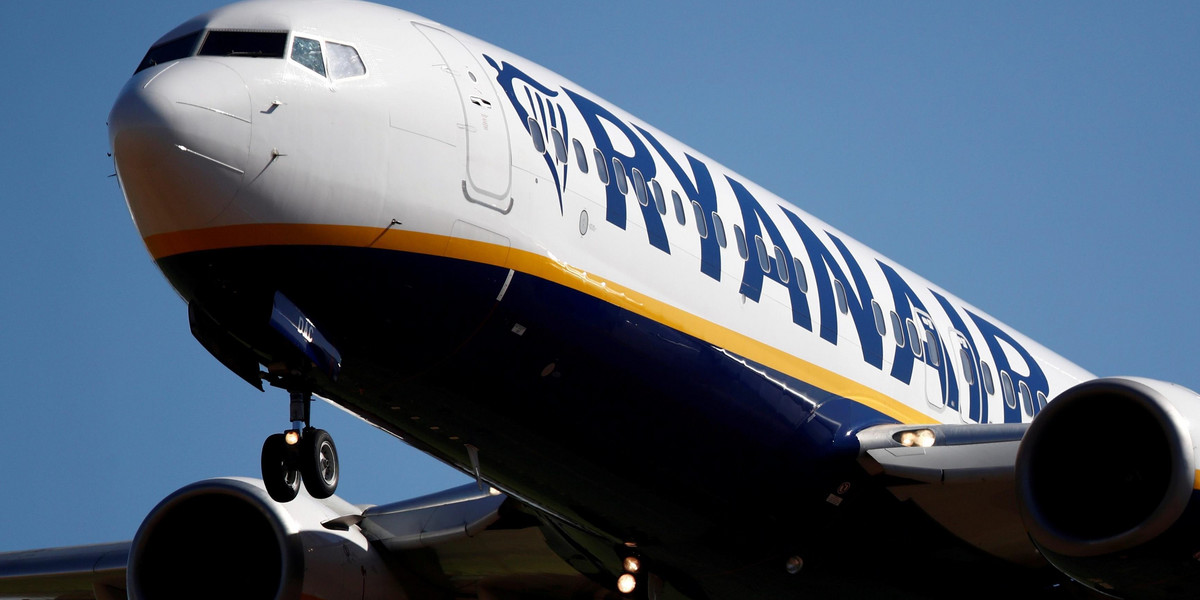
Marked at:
<point>224,538</point>
<point>1106,479</point>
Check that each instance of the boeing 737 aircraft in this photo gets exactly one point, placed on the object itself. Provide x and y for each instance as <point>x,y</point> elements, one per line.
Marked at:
<point>665,381</point>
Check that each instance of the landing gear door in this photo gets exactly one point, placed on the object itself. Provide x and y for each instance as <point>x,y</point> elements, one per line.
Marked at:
<point>488,176</point>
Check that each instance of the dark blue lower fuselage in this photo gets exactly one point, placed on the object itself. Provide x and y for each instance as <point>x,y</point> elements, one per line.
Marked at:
<point>624,429</point>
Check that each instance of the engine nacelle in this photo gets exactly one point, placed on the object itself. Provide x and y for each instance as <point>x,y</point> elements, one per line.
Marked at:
<point>1106,479</point>
<point>224,538</point>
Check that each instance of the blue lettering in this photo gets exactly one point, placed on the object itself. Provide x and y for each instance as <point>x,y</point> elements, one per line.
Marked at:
<point>641,160</point>
<point>700,190</point>
<point>858,296</point>
<point>1035,379</point>
<point>905,300</point>
<point>977,410</point>
<point>755,219</point>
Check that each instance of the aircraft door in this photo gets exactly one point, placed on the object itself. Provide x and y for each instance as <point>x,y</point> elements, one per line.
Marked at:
<point>934,358</point>
<point>488,159</point>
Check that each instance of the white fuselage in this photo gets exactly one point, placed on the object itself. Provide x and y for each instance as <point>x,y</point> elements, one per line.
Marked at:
<point>437,136</point>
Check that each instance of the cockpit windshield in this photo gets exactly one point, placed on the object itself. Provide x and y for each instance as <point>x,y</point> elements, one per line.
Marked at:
<point>343,61</point>
<point>338,61</point>
<point>255,44</point>
<point>180,47</point>
<point>308,53</point>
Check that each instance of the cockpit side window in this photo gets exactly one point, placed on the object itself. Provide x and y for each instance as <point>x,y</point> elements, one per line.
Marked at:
<point>180,47</point>
<point>344,61</point>
<point>254,44</point>
<point>308,53</point>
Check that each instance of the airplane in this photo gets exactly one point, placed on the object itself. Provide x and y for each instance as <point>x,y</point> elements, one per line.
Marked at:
<point>659,374</point>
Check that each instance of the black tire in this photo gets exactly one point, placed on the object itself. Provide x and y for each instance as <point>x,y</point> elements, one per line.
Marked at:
<point>280,474</point>
<point>319,463</point>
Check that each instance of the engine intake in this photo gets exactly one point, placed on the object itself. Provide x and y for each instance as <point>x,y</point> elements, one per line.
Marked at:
<point>1105,482</point>
<point>190,540</point>
<point>225,538</point>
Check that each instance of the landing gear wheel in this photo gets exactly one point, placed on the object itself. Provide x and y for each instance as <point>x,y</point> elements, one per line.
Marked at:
<point>280,474</point>
<point>318,463</point>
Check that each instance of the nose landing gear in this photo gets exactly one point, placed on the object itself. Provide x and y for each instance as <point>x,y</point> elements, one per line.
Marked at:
<point>318,463</point>
<point>301,454</point>
<point>280,474</point>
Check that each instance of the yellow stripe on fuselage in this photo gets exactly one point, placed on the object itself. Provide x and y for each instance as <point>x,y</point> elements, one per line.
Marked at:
<point>238,236</point>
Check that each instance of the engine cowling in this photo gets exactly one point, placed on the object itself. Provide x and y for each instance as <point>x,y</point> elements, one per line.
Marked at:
<point>1106,482</point>
<point>223,538</point>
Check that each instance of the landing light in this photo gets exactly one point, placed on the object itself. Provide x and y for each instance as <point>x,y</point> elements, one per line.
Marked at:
<point>921,438</point>
<point>794,564</point>
<point>292,437</point>
<point>626,583</point>
<point>632,564</point>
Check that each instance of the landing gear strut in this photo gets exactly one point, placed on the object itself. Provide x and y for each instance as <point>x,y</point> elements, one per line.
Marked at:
<point>301,454</point>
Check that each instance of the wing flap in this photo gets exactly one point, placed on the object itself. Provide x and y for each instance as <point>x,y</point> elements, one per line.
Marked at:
<point>422,522</point>
<point>948,464</point>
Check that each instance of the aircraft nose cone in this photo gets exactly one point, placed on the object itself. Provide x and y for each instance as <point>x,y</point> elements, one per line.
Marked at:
<point>180,135</point>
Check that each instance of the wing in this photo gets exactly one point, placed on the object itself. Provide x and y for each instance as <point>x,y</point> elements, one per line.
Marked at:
<point>66,573</point>
<point>226,537</point>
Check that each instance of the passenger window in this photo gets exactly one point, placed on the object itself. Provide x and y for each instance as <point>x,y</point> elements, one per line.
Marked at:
<point>308,53</point>
<point>619,175</point>
<point>839,290</point>
<point>968,365</point>
<point>985,372</point>
<point>880,323</point>
<point>1041,398</point>
<point>601,166</point>
<point>660,202</point>
<point>560,145</point>
<point>934,352</point>
<point>1026,398</point>
<point>1006,385</point>
<point>701,225</point>
<point>719,229</point>
<point>897,330</point>
<point>580,156</point>
<point>679,216</point>
<point>914,338</point>
<point>539,139</point>
<point>784,275</point>
<point>740,238</point>
<point>254,44</point>
<point>180,47</point>
<point>763,260</point>
<point>639,187</point>
<point>344,61</point>
<point>801,275</point>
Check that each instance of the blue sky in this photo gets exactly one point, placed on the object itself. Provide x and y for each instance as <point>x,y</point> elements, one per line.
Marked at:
<point>1041,160</point>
